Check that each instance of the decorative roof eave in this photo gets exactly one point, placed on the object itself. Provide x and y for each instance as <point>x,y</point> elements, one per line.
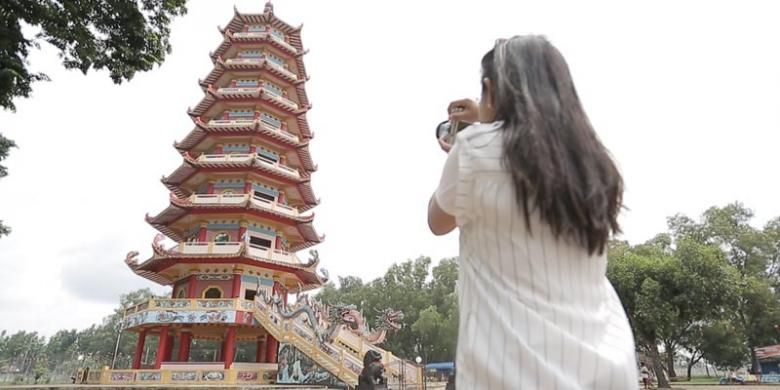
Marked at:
<point>303,126</point>
<point>246,205</point>
<point>309,235</point>
<point>268,18</point>
<point>305,156</point>
<point>211,98</point>
<point>240,19</point>
<point>250,164</point>
<point>303,98</point>
<point>163,258</point>
<point>132,262</point>
<point>220,66</point>
<point>185,171</point>
<point>202,131</point>
<point>230,39</point>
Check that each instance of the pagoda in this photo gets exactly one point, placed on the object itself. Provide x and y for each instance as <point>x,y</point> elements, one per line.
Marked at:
<point>239,213</point>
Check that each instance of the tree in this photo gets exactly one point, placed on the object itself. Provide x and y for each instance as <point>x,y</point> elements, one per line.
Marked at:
<point>124,37</point>
<point>427,298</point>
<point>722,345</point>
<point>5,146</point>
<point>755,255</point>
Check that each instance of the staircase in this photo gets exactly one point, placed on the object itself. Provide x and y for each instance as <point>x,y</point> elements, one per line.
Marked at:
<point>343,362</point>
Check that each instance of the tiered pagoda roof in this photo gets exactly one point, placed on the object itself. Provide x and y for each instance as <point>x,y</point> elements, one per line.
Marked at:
<point>291,172</point>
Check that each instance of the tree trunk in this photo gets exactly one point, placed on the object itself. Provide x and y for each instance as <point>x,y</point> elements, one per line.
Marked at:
<point>754,360</point>
<point>670,360</point>
<point>693,360</point>
<point>690,366</point>
<point>658,367</point>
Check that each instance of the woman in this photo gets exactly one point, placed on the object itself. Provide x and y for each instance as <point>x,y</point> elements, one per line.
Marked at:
<point>535,196</point>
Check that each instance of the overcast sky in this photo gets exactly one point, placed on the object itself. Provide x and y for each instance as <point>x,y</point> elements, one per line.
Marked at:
<point>685,94</point>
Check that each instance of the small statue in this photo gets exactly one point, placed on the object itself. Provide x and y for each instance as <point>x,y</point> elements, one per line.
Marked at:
<point>372,376</point>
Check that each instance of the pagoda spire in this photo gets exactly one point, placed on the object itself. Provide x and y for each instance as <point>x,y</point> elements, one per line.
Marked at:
<point>269,8</point>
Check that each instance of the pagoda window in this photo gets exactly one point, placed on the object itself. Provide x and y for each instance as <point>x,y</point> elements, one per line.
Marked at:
<point>236,148</point>
<point>181,294</point>
<point>250,54</point>
<point>259,242</point>
<point>277,34</point>
<point>247,83</point>
<point>273,88</point>
<point>249,295</point>
<point>256,28</point>
<point>212,293</point>
<point>271,120</point>
<point>264,196</point>
<point>275,59</point>
<point>267,155</point>
<point>241,114</point>
<point>222,237</point>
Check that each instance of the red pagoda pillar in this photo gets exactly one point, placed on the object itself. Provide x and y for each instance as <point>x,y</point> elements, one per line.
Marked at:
<point>271,346</point>
<point>260,353</point>
<point>162,347</point>
<point>236,285</point>
<point>230,346</point>
<point>139,349</point>
<point>169,348</point>
<point>192,287</point>
<point>185,340</point>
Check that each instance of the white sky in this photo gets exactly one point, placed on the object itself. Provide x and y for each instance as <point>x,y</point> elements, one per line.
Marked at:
<point>683,93</point>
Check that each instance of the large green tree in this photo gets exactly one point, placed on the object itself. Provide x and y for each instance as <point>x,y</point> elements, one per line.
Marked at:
<point>669,289</point>
<point>122,36</point>
<point>755,254</point>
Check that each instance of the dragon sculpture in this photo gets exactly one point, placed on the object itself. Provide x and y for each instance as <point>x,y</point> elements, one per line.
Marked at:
<point>387,320</point>
<point>132,259</point>
<point>338,316</point>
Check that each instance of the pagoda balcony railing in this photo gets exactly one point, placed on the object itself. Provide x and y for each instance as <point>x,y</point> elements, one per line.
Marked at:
<point>196,304</point>
<point>264,34</point>
<point>218,123</point>
<point>233,199</point>
<point>256,91</point>
<point>259,61</point>
<point>245,157</point>
<point>233,248</point>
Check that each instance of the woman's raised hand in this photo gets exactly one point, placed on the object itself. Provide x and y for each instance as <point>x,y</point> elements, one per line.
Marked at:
<point>444,143</point>
<point>463,110</point>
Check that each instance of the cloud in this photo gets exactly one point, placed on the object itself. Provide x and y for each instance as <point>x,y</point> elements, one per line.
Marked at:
<point>97,273</point>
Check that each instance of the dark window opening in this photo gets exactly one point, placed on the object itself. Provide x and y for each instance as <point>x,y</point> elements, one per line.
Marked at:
<point>250,295</point>
<point>263,195</point>
<point>259,242</point>
<point>213,293</point>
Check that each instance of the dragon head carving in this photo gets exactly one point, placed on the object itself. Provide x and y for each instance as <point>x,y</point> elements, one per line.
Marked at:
<point>345,314</point>
<point>390,319</point>
<point>132,259</point>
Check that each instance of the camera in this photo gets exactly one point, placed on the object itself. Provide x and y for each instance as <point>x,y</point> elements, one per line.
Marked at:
<point>448,130</point>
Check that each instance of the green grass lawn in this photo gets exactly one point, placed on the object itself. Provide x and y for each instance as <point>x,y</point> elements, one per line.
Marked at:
<point>699,380</point>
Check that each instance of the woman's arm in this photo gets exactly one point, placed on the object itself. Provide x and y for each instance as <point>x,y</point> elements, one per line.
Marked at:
<point>439,221</point>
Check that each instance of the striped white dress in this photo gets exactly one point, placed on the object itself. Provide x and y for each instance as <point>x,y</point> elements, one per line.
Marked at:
<point>535,312</point>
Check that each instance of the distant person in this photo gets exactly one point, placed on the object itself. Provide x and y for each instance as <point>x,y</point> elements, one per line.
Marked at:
<point>536,197</point>
<point>645,372</point>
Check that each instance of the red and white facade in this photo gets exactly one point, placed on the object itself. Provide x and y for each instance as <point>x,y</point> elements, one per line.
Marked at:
<point>239,202</point>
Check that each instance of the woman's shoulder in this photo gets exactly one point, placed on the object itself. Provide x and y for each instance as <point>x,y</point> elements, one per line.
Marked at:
<point>479,129</point>
<point>481,136</point>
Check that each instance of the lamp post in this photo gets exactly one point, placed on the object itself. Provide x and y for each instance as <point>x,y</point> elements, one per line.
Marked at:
<point>118,337</point>
<point>419,361</point>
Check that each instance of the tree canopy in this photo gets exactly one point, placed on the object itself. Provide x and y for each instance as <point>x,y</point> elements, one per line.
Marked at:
<point>705,287</point>
<point>123,37</point>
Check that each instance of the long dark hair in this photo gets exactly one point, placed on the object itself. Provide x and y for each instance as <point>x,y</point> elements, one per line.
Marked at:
<point>558,165</point>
